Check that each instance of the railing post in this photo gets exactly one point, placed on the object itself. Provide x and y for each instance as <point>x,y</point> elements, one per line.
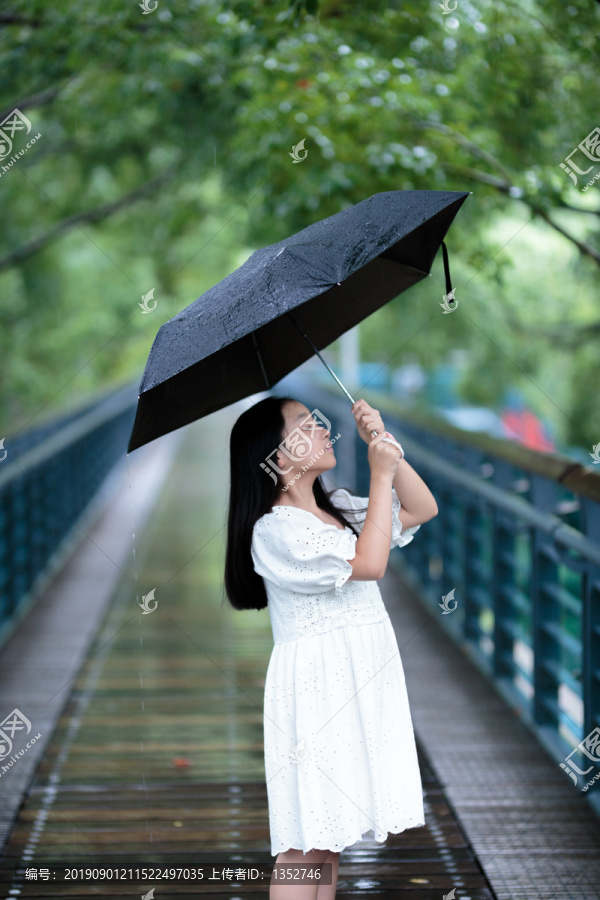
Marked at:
<point>503,586</point>
<point>545,615</point>
<point>546,646</point>
<point>475,575</point>
<point>451,546</point>
<point>590,666</point>
<point>591,650</point>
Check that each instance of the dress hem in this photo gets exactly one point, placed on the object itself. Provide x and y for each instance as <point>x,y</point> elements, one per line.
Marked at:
<point>351,843</point>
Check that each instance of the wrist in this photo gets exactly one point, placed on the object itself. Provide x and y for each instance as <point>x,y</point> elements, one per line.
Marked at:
<point>381,479</point>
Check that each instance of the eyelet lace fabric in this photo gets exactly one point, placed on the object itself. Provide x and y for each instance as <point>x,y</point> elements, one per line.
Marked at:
<point>340,755</point>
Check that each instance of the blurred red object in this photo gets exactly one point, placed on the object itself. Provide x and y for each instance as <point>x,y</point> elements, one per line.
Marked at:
<point>181,763</point>
<point>529,430</point>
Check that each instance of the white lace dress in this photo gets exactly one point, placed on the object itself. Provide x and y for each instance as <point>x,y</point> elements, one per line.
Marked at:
<point>340,755</point>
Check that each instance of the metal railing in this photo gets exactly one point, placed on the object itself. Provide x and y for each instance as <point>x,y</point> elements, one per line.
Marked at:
<point>46,489</point>
<point>517,541</point>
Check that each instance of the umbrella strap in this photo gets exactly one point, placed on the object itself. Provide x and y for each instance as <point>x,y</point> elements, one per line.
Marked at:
<point>447,271</point>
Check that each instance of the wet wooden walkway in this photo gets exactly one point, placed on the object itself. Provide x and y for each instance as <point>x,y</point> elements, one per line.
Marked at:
<point>157,757</point>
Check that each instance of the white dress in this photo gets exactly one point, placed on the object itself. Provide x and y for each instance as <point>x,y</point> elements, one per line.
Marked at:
<point>340,756</point>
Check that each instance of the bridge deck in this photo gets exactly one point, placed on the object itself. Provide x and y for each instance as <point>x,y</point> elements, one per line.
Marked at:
<point>158,750</point>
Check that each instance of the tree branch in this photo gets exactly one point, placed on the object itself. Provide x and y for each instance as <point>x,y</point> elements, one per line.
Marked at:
<point>16,19</point>
<point>39,99</point>
<point>464,142</point>
<point>583,247</point>
<point>503,185</point>
<point>74,221</point>
<point>579,209</point>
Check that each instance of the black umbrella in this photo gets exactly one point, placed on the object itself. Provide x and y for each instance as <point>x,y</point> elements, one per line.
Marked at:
<point>286,302</point>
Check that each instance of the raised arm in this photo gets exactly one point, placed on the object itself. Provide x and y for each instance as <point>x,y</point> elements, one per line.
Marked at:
<point>373,544</point>
<point>418,503</point>
<point>387,469</point>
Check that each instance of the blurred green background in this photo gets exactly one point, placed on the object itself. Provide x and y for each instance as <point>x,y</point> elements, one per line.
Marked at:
<point>164,161</point>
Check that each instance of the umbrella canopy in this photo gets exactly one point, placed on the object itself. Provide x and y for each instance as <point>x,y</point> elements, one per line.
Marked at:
<point>245,334</point>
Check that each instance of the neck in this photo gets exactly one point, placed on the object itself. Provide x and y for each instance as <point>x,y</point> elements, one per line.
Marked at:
<point>300,493</point>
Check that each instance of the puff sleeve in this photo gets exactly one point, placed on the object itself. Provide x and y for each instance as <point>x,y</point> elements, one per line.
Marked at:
<point>400,536</point>
<point>300,553</point>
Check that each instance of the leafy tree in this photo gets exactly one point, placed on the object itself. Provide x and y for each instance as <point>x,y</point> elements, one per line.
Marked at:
<point>164,159</point>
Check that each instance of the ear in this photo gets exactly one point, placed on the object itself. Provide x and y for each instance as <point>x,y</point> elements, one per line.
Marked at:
<point>283,462</point>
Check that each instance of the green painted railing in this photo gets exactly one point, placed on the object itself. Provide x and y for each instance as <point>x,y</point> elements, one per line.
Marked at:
<point>49,481</point>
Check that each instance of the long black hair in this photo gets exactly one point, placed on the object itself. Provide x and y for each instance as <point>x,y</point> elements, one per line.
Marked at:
<point>256,433</point>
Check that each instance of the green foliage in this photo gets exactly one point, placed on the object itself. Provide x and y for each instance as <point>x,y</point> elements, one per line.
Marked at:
<point>165,159</point>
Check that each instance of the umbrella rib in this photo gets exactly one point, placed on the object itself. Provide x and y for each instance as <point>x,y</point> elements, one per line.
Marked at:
<point>260,359</point>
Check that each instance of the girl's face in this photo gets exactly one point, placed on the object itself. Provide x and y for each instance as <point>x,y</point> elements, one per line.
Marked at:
<point>307,445</point>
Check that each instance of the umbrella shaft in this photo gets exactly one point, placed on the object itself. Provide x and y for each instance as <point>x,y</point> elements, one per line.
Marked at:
<point>306,337</point>
<point>348,395</point>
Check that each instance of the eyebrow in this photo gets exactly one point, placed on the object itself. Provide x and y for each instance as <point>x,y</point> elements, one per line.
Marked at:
<point>302,416</point>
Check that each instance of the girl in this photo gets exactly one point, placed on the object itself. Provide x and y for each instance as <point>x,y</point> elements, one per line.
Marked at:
<point>340,754</point>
